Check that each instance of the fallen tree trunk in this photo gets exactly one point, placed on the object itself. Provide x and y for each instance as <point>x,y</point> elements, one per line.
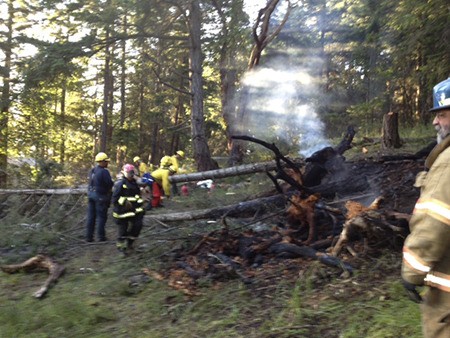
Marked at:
<point>241,209</point>
<point>227,172</point>
<point>68,191</point>
<point>38,262</point>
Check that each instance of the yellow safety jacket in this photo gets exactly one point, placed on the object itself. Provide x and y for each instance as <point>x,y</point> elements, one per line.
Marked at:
<point>126,199</point>
<point>175,165</point>
<point>142,169</point>
<point>426,251</point>
<point>161,176</point>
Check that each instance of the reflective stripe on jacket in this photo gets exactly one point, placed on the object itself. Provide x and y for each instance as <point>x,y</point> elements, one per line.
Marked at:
<point>126,199</point>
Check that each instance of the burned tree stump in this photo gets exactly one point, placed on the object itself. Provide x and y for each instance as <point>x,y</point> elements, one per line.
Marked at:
<point>328,162</point>
<point>390,137</point>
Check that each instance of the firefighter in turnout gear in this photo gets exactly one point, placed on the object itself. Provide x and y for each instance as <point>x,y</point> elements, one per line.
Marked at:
<point>426,251</point>
<point>99,198</point>
<point>128,209</point>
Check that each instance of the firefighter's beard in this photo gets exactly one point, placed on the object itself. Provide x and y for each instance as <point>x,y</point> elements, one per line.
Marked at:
<point>442,132</point>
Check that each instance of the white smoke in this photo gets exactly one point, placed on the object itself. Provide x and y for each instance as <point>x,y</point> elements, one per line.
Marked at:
<point>280,103</point>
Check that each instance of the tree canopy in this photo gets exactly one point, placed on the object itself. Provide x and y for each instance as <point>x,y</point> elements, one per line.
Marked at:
<point>150,77</point>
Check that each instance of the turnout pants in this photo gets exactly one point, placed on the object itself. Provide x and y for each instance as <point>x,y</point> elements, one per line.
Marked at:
<point>436,314</point>
<point>128,230</point>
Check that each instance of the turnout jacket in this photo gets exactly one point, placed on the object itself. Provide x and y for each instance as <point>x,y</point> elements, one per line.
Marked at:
<point>126,199</point>
<point>426,251</point>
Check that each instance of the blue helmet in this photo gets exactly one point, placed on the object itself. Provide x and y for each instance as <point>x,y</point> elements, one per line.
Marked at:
<point>441,96</point>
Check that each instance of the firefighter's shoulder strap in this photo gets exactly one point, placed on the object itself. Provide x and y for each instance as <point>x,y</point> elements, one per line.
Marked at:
<point>91,179</point>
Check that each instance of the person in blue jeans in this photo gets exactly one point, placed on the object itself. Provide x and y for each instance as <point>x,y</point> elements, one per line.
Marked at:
<point>99,198</point>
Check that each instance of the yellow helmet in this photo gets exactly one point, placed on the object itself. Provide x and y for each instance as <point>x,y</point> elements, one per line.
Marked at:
<point>181,153</point>
<point>166,161</point>
<point>101,157</point>
<point>136,158</point>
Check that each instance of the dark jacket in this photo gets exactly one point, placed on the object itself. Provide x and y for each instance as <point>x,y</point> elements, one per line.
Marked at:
<point>126,199</point>
<point>100,181</point>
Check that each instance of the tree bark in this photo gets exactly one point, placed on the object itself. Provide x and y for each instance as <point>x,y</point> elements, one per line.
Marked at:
<point>6,95</point>
<point>242,209</point>
<point>202,154</point>
<point>107,89</point>
<point>227,172</point>
<point>389,135</point>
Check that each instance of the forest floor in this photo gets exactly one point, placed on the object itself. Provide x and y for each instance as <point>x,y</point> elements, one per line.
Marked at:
<point>147,294</point>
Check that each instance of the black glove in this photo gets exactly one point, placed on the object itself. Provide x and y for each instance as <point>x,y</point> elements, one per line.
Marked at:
<point>413,294</point>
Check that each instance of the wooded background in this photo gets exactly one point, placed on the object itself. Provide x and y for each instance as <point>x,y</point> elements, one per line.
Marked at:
<point>150,77</point>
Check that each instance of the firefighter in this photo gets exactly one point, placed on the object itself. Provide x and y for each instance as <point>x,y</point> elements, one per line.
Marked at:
<point>140,166</point>
<point>128,209</point>
<point>178,156</point>
<point>99,198</point>
<point>426,251</point>
<point>161,185</point>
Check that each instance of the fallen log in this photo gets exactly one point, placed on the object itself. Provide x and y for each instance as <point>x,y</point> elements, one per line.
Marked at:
<point>227,172</point>
<point>68,191</point>
<point>241,209</point>
<point>38,262</point>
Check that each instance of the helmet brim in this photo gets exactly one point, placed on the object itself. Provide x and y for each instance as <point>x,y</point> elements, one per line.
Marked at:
<point>439,108</point>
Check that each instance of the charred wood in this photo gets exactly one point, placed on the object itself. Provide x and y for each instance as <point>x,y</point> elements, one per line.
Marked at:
<point>346,142</point>
<point>189,270</point>
<point>231,266</point>
<point>279,158</point>
<point>343,187</point>
<point>378,228</point>
<point>293,251</point>
<point>327,161</point>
